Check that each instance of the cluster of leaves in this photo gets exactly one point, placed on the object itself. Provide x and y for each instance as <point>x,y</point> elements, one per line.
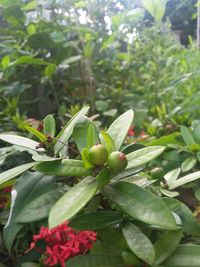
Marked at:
<point>136,223</point>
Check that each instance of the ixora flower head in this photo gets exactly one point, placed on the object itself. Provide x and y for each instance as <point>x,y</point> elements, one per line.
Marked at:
<point>62,243</point>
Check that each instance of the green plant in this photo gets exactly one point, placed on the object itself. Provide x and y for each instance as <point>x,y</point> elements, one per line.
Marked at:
<point>134,222</point>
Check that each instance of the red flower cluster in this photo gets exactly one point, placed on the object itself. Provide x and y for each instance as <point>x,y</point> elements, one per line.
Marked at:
<point>63,243</point>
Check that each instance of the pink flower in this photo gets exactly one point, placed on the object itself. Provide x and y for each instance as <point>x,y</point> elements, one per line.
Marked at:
<point>63,243</point>
<point>131,131</point>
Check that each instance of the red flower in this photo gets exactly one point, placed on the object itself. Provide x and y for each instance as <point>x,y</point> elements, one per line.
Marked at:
<point>63,243</point>
<point>131,131</point>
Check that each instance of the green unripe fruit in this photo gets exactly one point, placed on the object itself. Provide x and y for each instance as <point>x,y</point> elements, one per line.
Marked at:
<point>117,161</point>
<point>157,173</point>
<point>98,154</point>
<point>130,259</point>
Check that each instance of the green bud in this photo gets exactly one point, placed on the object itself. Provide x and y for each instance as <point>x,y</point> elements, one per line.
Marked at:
<point>98,154</point>
<point>117,161</point>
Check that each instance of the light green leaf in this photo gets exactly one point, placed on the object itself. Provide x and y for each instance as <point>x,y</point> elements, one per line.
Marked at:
<point>187,136</point>
<point>107,141</point>
<point>73,201</point>
<point>19,141</point>
<point>36,133</point>
<point>29,61</point>
<point>184,180</point>
<point>143,156</point>
<point>86,158</point>
<point>70,60</point>
<point>138,243</point>
<point>95,261</point>
<point>96,220</point>
<point>184,256</point>
<point>12,173</point>
<point>140,204</point>
<point>166,244</point>
<point>67,131</point>
<point>49,125</point>
<point>156,8</point>
<point>30,6</point>
<point>188,164</point>
<point>171,176</point>
<point>66,167</point>
<point>119,128</point>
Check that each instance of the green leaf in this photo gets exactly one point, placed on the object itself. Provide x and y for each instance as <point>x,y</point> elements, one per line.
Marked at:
<point>5,61</point>
<point>29,264</point>
<point>38,208</point>
<point>66,167</point>
<point>37,133</point>
<point>140,204</point>
<point>143,156</point>
<point>104,177</point>
<point>26,189</point>
<point>196,134</point>
<point>138,243</point>
<point>29,61</point>
<point>67,131</point>
<point>73,201</point>
<point>49,70</point>
<point>107,141</point>
<point>165,140</point>
<point>86,158</point>
<point>92,136</point>
<point>184,256</point>
<point>187,136</point>
<point>166,244</point>
<point>119,128</point>
<point>12,173</point>
<point>156,8</point>
<point>19,141</point>
<point>188,164</point>
<point>49,125</point>
<point>95,261</point>
<point>80,132</point>
<point>30,6</point>
<point>96,220</point>
<point>71,60</point>
<point>188,222</point>
<point>184,180</point>
<point>171,176</point>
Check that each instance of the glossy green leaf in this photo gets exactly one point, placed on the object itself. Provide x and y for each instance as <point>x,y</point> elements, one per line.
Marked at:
<point>184,256</point>
<point>95,261</point>
<point>19,141</point>
<point>119,128</point>
<point>138,243</point>
<point>140,204</point>
<point>107,141</point>
<point>188,222</point>
<point>67,131</point>
<point>166,244</point>
<point>92,136</point>
<point>12,173</point>
<point>96,220</point>
<point>73,201</point>
<point>66,167</point>
<point>184,180</point>
<point>143,155</point>
<point>165,140</point>
<point>187,136</point>
<point>196,134</point>
<point>188,164</point>
<point>49,125</point>
<point>130,259</point>
<point>36,133</point>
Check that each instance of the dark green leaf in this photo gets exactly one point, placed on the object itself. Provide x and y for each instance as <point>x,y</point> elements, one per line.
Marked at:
<point>140,204</point>
<point>166,244</point>
<point>138,243</point>
<point>96,220</point>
